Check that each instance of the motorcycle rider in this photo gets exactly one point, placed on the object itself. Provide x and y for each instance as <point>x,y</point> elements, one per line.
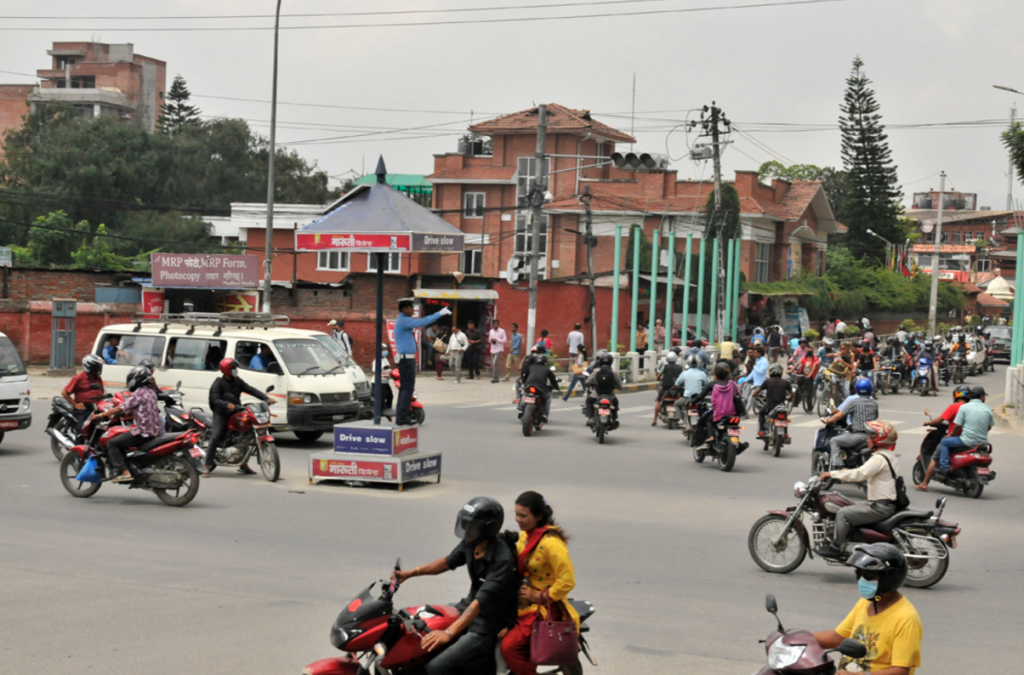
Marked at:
<point>975,419</point>
<point>693,379</point>
<point>728,351</point>
<point>858,409</point>
<point>894,353</point>
<point>777,393</point>
<point>867,361</point>
<point>603,382</point>
<point>225,393</point>
<point>941,424</point>
<point>881,504</point>
<point>540,376</point>
<point>930,350</point>
<point>469,643</point>
<point>723,392</point>
<point>80,393</point>
<point>883,620</point>
<point>148,423</point>
<point>669,374</point>
<point>698,351</point>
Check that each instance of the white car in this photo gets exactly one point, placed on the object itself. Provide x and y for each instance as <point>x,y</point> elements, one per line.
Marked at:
<point>15,390</point>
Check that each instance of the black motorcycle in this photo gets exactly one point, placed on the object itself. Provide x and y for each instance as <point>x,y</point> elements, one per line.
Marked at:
<point>62,427</point>
<point>606,417</point>
<point>821,455</point>
<point>725,446</point>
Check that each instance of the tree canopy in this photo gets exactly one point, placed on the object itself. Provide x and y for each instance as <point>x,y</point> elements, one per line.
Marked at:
<point>833,181</point>
<point>178,113</point>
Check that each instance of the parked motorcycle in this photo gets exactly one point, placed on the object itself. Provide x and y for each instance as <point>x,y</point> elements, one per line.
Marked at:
<point>605,418</point>
<point>419,415</point>
<point>779,542</point>
<point>160,465</point>
<point>776,430</point>
<point>248,434</point>
<point>668,413</point>
<point>969,470</point>
<point>381,639</point>
<point>725,445</point>
<point>796,651</point>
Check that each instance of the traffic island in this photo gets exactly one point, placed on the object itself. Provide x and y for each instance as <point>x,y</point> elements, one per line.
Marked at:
<point>365,452</point>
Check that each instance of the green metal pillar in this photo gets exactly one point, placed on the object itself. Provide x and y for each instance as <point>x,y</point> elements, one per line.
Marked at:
<point>727,323</point>
<point>686,286</point>
<point>736,291</point>
<point>614,347</point>
<point>700,286</point>
<point>636,287</point>
<point>669,289</point>
<point>713,321</point>
<point>1017,334</point>
<point>652,310</point>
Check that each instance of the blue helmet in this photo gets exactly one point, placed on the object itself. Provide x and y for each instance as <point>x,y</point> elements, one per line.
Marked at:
<point>863,386</point>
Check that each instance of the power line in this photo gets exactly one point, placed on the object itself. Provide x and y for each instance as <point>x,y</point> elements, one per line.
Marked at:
<point>343,107</point>
<point>449,22</point>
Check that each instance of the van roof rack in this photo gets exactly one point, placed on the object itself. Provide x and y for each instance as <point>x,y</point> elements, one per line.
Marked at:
<point>216,320</point>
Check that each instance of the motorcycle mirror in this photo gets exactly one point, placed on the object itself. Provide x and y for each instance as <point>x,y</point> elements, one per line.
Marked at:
<point>178,386</point>
<point>940,502</point>
<point>270,389</point>
<point>852,649</point>
<point>770,604</point>
<point>927,414</point>
<point>398,564</point>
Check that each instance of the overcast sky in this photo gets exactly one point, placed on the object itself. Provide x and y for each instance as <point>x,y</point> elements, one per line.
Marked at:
<point>932,61</point>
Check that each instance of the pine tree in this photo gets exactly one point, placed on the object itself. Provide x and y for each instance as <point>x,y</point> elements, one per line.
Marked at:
<point>176,113</point>
<point>873,194</point>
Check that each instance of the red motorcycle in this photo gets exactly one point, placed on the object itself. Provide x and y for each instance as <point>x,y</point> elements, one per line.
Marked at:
<point>248,434</point>
<point>796,651</point>
<point>160,465</point>
<point>381,639</point>
<point>969,470</point>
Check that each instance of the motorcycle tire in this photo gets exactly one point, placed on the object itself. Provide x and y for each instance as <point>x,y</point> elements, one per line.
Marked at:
<point>308,436</point>
<point>972,485</point>
<point>808,403</point>
<point>777,560</point>
<point>600,432</point>
<point>190,481</point>
<point>70,465</point>
<point>270,461</point>
<point>924,573</point>
<point>727,456</point>
<point>896,387</point>
<point>672,424</point>
<point>698,455</point>
<point>528,419</point>
<point>420,416</point>
<point>918,472</point>
<point>777,444</point>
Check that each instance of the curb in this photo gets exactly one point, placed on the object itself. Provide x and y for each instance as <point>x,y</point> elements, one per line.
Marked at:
<point>1008,421</point>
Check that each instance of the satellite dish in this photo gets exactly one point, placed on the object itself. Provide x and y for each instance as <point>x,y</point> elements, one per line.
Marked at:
<point>927,226</point>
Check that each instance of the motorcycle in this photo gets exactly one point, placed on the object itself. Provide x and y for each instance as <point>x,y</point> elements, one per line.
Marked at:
<point>888,377</point>
<point>531,410</point>
<point>690,420</point>
<point>779,542</point>
<point>803,394</point>
<point>920,377</point>
<point>726,445</point>
<point>62,426</point>
<point>605,418</point>
<point>381,639</point>
<point>969,470</point>
<point>668,413</point>
<point>821,454</point>
<point>796,651</point>
<point>776,430</point>
<point>248,433</point>
<point>956,370</point>
<point>160,465</point>
<point>418,413</point>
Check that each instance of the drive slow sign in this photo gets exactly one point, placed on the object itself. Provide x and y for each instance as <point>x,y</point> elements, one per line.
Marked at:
<point>367,438</point>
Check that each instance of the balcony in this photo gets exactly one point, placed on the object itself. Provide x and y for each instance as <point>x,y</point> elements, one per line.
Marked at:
<point>105,97</point>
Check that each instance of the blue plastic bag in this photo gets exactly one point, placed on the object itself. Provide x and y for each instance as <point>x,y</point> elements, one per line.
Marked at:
<point>90,472</point>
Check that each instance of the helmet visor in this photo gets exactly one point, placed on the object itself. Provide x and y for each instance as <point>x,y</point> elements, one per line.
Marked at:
<point>466,528</point>
<point>865,562</point>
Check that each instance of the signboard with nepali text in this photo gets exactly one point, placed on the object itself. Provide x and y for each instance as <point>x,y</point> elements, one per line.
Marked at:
<point>378,242</point>
<point>200,270</point>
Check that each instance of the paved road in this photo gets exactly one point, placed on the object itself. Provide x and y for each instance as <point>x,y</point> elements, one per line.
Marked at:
<point>249,578</point>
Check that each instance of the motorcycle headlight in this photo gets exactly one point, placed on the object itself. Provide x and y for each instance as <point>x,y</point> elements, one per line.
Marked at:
<point>781,655</point>
<point>262,417</point>
<point>800,488</point>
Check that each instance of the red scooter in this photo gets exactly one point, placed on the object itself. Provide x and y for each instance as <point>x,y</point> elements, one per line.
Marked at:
<point>969,470</point>
<point>418,413</point>
<point>796,651</point>
<point>381,639</point>
<point>161,465</point>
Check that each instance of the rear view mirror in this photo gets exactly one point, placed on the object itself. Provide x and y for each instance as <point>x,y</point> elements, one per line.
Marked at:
<point>852,649</point>
<point>940,502</point>
<point>771,605</point>
<point>275,369</point>
<point>178,386</point>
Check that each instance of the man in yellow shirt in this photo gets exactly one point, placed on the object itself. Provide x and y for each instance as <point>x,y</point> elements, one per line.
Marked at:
<point>883,620</point>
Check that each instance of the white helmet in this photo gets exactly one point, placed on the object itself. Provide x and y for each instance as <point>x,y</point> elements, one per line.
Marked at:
<point>671,357</point>
<point>693,361</point>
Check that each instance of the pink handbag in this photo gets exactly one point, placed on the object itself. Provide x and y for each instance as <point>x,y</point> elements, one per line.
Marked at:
<point>553,643</point>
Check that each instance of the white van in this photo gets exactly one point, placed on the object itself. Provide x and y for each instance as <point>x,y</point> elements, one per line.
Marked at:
<point>15,389</point>
<point>315,384</point>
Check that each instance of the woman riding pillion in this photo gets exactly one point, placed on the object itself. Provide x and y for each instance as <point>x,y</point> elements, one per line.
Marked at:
<point>723,392</point>
<point>141,401</point>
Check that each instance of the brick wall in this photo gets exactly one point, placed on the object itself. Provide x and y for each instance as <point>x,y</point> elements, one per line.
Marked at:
<point>13,106</point>
<point>40,284</point>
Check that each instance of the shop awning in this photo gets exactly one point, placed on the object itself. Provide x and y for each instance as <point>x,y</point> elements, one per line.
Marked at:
<point>456,293</point>
<point>663,279</point>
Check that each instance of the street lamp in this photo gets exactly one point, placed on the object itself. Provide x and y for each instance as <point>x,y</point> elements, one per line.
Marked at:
<point>1010,89</point>
<point>875,234</point>
<point>269,250</point>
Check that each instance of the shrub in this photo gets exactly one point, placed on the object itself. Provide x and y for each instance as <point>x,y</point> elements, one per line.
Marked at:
<point>811,334</point>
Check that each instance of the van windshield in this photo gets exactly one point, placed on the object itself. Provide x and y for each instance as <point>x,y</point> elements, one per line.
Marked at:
<point>10,361</point>
<point>307,357</point>
<point>334,348</point>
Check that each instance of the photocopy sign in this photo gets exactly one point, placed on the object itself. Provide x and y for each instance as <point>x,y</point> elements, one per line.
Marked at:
<point>187,270</point>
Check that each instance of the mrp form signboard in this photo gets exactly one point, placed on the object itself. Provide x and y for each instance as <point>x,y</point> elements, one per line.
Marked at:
<point>370,439</point>
<point>188,270</point>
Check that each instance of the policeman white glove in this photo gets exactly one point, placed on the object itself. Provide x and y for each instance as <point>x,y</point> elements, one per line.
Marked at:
<point>445,311</point>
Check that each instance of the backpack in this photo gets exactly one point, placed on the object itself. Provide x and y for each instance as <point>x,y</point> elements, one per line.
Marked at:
<point>604,381</point>
<point>902,500</point>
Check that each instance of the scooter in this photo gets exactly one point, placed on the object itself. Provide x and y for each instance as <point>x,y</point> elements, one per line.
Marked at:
<point>378,638</point>
<point>778,542</point>
<point>248,434</point>
<point>160,465</point>
<point>667,413</point>
<point>920,377</point>
<point>419,414</point>
<point>796,651</point>
<point>969,470</point>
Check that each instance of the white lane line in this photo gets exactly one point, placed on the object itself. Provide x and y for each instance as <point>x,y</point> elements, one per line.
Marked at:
<point>637,409</point>
<point>812,423</point>
<point>480,405</point>
<point>914,432</point>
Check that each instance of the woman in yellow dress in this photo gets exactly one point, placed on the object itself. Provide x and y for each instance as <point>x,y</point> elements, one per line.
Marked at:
<point>547,577</point>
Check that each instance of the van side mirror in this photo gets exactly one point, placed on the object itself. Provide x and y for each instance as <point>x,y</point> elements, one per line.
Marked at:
<point>275,369</point>
<point>852,649</point>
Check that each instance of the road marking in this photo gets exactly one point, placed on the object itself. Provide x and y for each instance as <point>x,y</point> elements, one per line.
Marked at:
<point>636,409</point>
<point>812,423</point>
<point>480,405</point>
<point>918,431</point>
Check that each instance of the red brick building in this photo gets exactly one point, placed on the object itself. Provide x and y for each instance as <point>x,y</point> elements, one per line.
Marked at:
<point>95,78</point>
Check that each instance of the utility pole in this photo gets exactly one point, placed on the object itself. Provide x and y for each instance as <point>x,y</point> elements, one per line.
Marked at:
<point>934,299</point>
<point>591,241</point>
<point>269,252</point>
<point>1009,180</point>
<point>710,126</point>
<point>536,196</point>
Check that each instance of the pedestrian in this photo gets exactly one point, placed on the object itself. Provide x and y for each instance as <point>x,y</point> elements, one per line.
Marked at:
<point>440,348</point>
<point>405,356</point>
<point>577,366</point>
<point>641,343</point>
<point>429,335</point>
<point>472,355</point>
<point>865,323</point>
<point>659,335</point>
<point>774,344</point>
<point>457,346</point>
<point>387,397</point>
<point>841,328</point>
<point>544,342</point>
<point>828,328</point>
<point>515,355</point>
<point>343,339</point>
<point>575,340</point>
<point>497,338</point>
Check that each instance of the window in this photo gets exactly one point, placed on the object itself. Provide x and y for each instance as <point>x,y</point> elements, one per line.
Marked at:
<point>524,179</point>
<point>472,262</point>
<point>983,265</point>
<point>64,61</point>
<point>473,205</point>
<point>954,237</point>
<point>394,263</point>
<point>10,360</point>
<point>764,252</point>
<point>195,353</point>
<point>524,234</point>
<point>332,260</point>
<point>302,357</point>
<point>601,150</point>
<point>945,237</point>
<point>132,349</point>
<point>246,351</point>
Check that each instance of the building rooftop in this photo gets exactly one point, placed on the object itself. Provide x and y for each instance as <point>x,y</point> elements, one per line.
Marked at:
<point>559,120</point>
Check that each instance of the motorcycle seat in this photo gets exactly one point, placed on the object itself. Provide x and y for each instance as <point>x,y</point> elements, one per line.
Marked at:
<point>984,447</point>
<point>886,525</point>
<point>159,440</point>
<point>205,418</point>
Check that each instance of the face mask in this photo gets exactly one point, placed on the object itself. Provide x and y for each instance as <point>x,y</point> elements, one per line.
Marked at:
<point>234,372</point>
<point>868,589</point>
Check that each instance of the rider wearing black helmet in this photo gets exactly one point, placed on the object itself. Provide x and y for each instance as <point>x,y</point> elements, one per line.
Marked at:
<point>85,389</point>
<point>537,373</point>
<point>490,605</point>
<point>883,619</point>
<point>603,382</point>
<point>148,424</point>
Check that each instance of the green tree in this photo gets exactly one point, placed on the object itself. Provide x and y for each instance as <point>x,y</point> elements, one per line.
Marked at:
<point>97,254</point>
<point>725,220</point>
<point>52,244</point>
<point>774,169</point>
<point>178,113</point>
<point>1013,139</point>
<point>873,194</point>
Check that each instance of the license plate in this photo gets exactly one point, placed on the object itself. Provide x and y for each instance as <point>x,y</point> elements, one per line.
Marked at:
<point>782,423</point>
<point>605,412</point>
<point>984,472</point>
<point>529,399</point>
<point>340,418</point>
<point>734,432</point>
<point>693,414</point>
<point>671,410</point>
<point>196,453</point>
<point>260,426</point>
<point>9,424</point>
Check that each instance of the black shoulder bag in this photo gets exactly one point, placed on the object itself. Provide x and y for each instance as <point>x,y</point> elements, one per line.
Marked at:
<point>902,500</point>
